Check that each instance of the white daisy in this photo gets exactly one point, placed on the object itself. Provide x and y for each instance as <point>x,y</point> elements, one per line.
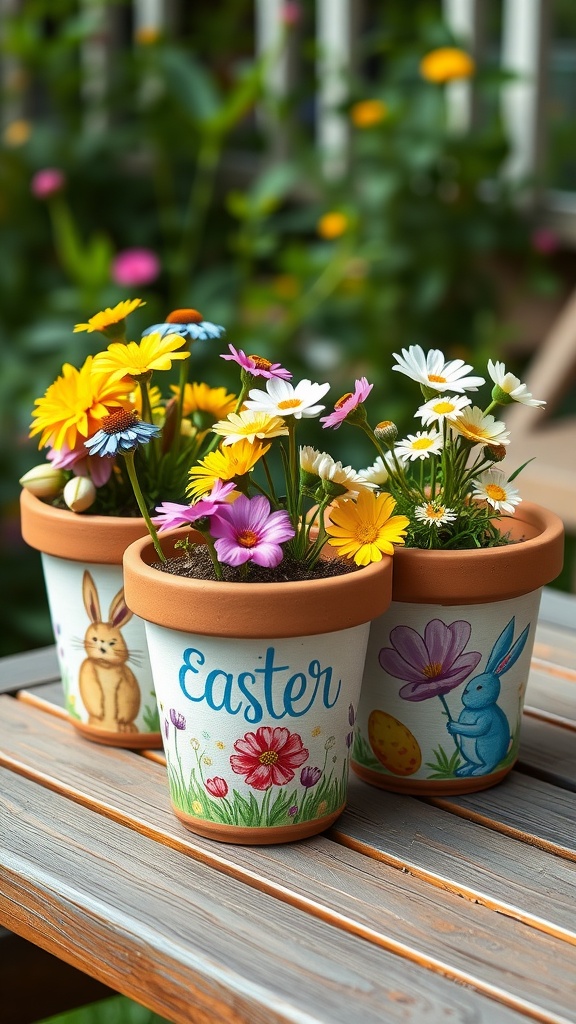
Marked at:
<point>377,473</point>
<point>346,477</point>
<point>434,514</point>
<point>514,390</point>
<point>432,370</point>
<point>419,445</point>
<point>281,398</point>
<point>480,428</point>
<point>249,425</point>
<point>445,407</point>
<point>493,487</point>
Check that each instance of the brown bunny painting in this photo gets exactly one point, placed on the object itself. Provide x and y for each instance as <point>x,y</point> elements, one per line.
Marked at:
<point>108,687</point>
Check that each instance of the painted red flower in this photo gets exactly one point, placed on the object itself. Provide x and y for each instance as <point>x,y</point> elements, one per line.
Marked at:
<point>268,757</point>
<point>217,786</point>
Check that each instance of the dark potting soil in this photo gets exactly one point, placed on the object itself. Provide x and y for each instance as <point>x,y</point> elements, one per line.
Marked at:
<point>197,564</point>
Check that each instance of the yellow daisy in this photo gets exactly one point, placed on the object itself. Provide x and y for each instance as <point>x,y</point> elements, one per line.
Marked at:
<point>446,64</point>
<point>480,428</point>
<point>110,318</point>
<point>365,529</point>
<point>139,359</point>
<point>75,404</point>
<point>217,402</point>
<point>224,464</point>
<point>252,425</point>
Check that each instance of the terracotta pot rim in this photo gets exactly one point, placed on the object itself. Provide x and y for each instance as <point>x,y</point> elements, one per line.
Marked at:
<point>100,540</point>
<point>483,575</point>
<point>257,610</point>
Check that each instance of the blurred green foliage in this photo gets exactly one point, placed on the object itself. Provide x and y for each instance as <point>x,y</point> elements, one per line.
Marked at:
<point>176,149</point>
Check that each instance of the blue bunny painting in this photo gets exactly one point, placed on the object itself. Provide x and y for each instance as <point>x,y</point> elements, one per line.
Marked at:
<point>482,730</point>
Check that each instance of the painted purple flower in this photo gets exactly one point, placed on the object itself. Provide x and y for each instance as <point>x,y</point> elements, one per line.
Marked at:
<point>166,727</point>
<point>345,405</point>
<point>433,664</point>
<point>177,719</point>
<point>247,531</point>
<point>310,776</point>
<point>172,514</point>
<point>293,811</point>
<point>258,366</point>
<point>349,739</point>
<point>351,714</point>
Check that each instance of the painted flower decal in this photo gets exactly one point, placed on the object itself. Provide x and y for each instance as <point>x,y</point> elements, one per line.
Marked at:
<point>433,664</point>
<point>268,757</point>
<point>217,787</point>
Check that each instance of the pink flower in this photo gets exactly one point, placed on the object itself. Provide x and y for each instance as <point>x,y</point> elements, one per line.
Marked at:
<point>258,366</point>
<point>134,268</point>
<point>290,13</point>
<point>268,757</point>
<point>248,531</point>
<point>345,405</point>
<point>47,182</point>
<point>98,470</point>
<point>544,241</point>
<point>172,514</point>
<point>217,786</point>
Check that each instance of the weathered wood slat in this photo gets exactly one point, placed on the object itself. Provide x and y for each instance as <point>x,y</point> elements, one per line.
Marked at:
<point>552,692</point>
<point>199,942</point>
<point>525,808</point>
<point>456,854</point>
<point>548,752</point>
<point>47,696</point>
<point>27,669</point>
<point>555,644</point>
<point>386,906</point>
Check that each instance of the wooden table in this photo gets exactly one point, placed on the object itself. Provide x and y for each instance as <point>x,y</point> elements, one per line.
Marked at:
<point>440,910</point>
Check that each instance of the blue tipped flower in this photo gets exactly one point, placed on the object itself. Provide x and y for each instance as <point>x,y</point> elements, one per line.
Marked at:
<point>121,432</point>
<point>189,324</point>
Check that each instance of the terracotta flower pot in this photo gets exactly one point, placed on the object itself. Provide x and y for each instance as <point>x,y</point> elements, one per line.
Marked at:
<point>447,663</point>
<point>101,645</point>
<point>258,685</point>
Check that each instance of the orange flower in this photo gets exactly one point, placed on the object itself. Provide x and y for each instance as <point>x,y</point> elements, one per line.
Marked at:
<point>332,225</point>
<point>367,113</point>
<point>446,64</point>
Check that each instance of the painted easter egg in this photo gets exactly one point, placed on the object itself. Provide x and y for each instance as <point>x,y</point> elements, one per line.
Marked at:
<point>393,744</point>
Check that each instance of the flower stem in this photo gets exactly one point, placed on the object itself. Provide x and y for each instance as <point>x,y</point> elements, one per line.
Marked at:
<point>133,476</point>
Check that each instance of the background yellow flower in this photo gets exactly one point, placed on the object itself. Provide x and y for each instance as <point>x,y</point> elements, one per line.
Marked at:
<point>446,63</point>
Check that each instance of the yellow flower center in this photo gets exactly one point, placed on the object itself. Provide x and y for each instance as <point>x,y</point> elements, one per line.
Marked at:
<point>247,539</point>
<point>421,443</point>
<point>495,492</point>
<point>260,362</point>
<point>435,513</point>
<point>341,401</point>
<point>290,403</point>
<point>366,533</point>
<point>442,408</point>
<point>432,670</point>
<point>268,757</point>
<point>436,379</point>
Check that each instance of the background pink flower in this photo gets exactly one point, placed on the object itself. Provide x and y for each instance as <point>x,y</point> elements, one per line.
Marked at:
<point>268,757</point>
<point>47,182</point>
<point>134,268</point>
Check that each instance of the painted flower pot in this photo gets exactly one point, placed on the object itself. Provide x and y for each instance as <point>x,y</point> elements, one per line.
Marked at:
<point>447,664</point>
<point>101,644</point>
<point>258,685</point>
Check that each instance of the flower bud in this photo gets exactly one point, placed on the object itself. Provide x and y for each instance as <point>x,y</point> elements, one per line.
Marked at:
<point>500,396</point>
<point>79,493</point>
<point>494,453</point>
<point>44,481</point>
<point>386,431</point>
